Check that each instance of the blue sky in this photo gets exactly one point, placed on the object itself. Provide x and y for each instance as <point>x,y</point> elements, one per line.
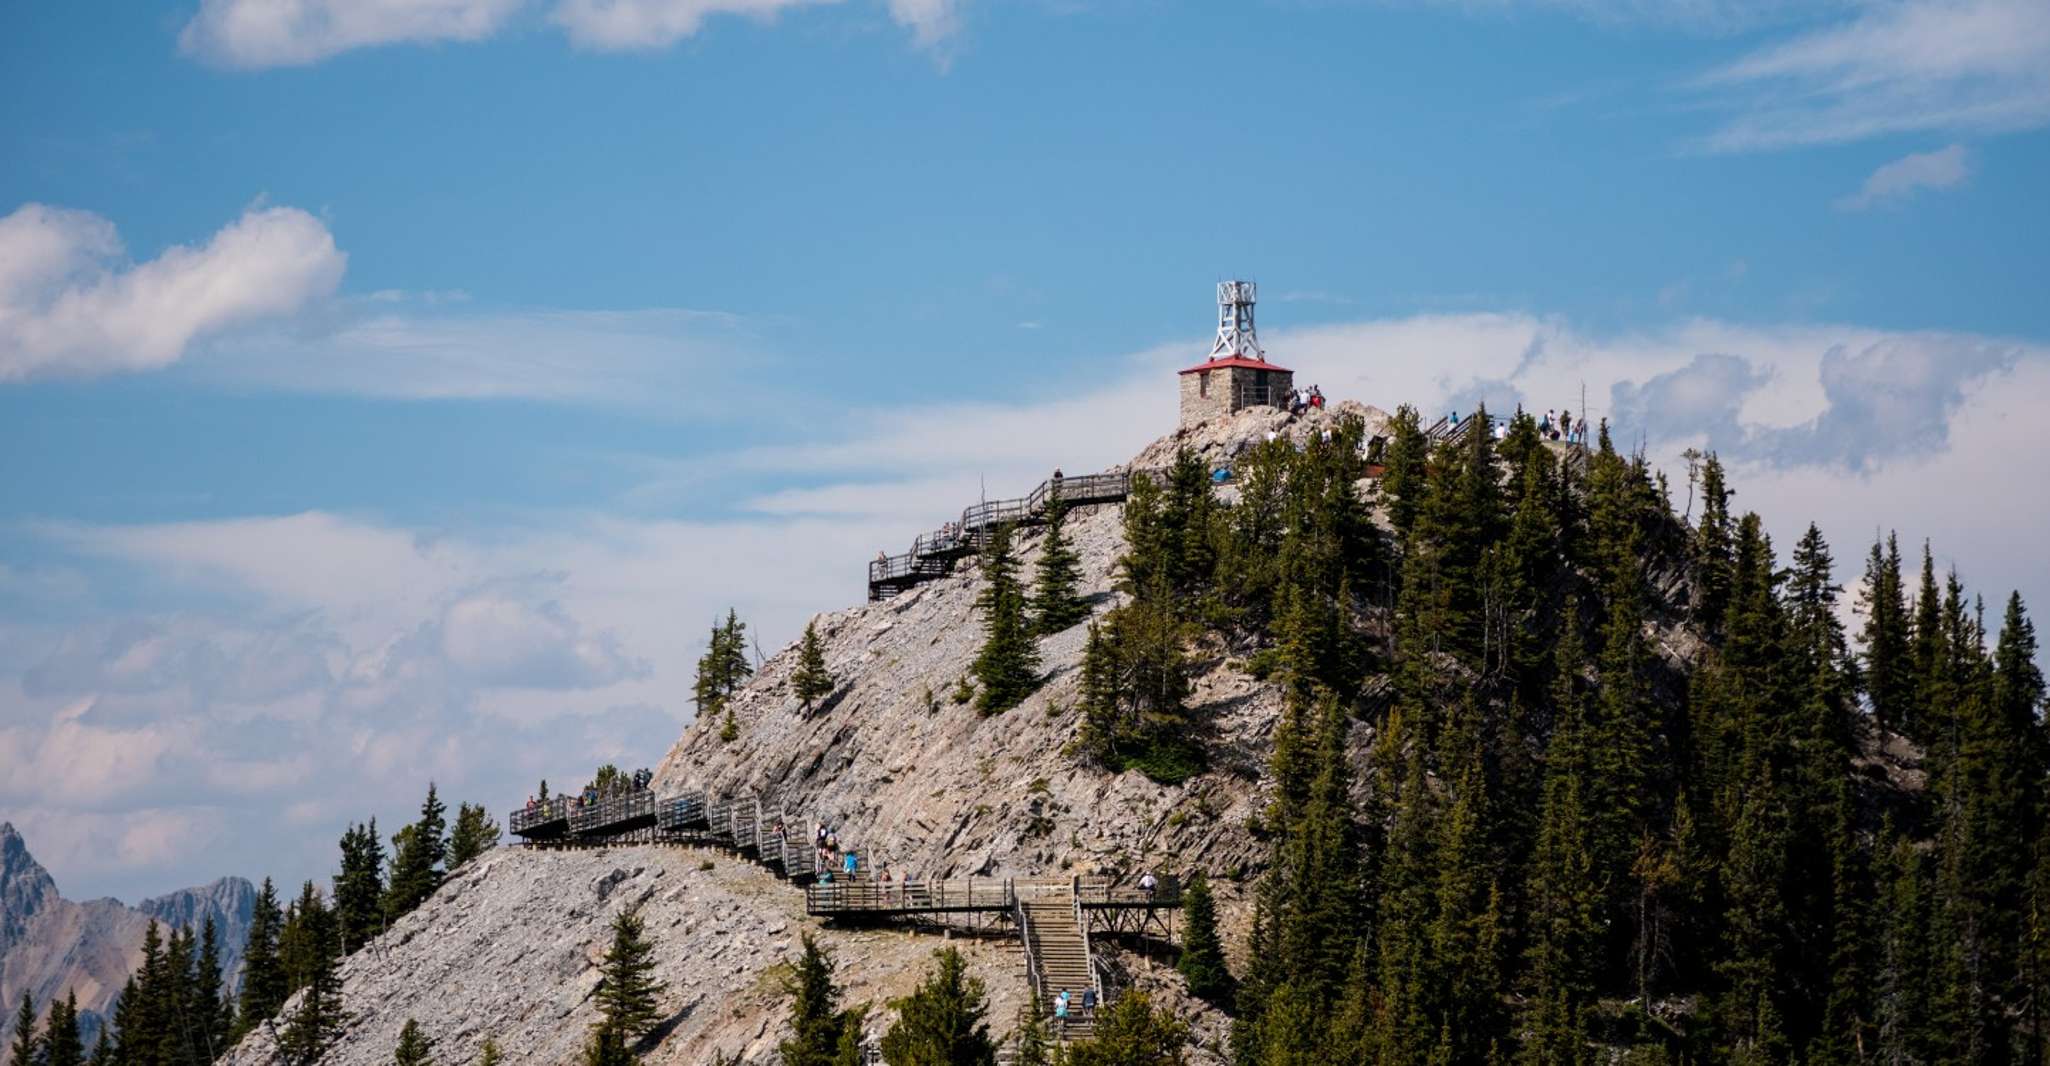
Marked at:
<point>397,389</point>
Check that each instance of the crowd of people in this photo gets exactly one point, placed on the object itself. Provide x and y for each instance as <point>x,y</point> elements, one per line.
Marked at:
<point>595,792</point>
<point>1300,400</point>
<point>1563,427</point>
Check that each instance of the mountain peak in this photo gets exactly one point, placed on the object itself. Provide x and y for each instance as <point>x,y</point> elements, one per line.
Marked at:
<point>25,887</point>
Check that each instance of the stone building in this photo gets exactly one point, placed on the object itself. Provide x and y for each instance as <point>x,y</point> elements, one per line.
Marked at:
<point>1237,375</point>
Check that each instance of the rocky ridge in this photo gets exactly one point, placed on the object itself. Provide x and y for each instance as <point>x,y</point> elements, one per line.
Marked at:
<point>50,945</point>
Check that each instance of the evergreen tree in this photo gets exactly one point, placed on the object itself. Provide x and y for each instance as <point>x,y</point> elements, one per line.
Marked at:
<point>62,1045</point>
<point>724,667</point>
<point>1130,1032</point>
<point>1035,1046</point>
<point>815,1015</point>
<point>319,1019</point>
<point>1402,481</point>
<point>103,1049</point>
<point>489,1055</point>
<point>1202,963</point>
<point>812,681</point>
<point>28,1049</point>
<point>264,984</point>
<point>414,1048</point>
<point>1564,897</point>
<point>627,988</point>
<point>359,887</point>
<point>212,1014</point>
<point>606,1047</point>
<point>1712,549</point>
<point>941,1024</point>
<point>1057,602</point>
<point>475,833</point>
<point>1888,677</point>
<point>1008,664</point>
<point>417,853</point>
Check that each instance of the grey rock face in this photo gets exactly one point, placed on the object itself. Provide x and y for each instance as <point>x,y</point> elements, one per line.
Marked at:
<point>50,945</point>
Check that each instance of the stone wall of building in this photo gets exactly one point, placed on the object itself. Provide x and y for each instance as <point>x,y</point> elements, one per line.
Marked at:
<point>1206,395</point>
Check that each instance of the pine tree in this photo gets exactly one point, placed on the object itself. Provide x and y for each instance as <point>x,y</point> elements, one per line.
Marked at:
<point>1202,963</point>
<point>815,1015</point>
<point>1888,675</point>
<point>474,834</point>
<point>319,1019</point>
<point>1131,1033</point>
<point>103,1049</point>
<point>941,1024</point>
<point>606,1047</point>
<point>1035,1046</point>
<point>1057,602</point>
<point>1402,481</point>
<point>62,1045</point>
<point>264,984</point>
<point>812,681</point>
<point>1008,664</point>
<point>724,667</point>
<point>359,887</point>
<point>1712,550</point>
<point>417,853</point>
<point>213,1016</point>
<point>414,1048</point>
<point>489,1055</point>
<point>28,1050</point>
<point>627,989</point>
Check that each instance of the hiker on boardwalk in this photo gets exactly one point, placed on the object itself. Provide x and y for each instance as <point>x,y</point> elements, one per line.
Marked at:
<point>848,863</point>
<point>1060,1010</point>
<point>1088,1001</point>
<point>1147,884</point>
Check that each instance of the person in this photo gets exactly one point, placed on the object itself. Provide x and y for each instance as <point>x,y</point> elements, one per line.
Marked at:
<point>1088,1000</point>
<point>882,556</point>
<point>847,863</point>
<point>1147,884</point>
<point>1060,1008</point>
<point>1317,397</point>
<point>822,836</point>
<point>1501,431</point>
<point>1566,424</point>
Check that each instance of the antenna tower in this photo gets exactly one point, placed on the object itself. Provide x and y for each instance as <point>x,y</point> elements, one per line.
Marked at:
<point>1235,336</point>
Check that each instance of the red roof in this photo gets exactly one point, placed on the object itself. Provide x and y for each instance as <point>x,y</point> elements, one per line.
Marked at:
<point>1237,360</point>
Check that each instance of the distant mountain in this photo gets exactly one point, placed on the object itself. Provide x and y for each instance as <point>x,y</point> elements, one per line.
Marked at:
<point>50,945</point>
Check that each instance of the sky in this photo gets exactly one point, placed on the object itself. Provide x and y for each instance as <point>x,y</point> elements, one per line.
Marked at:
<point>398,390</point>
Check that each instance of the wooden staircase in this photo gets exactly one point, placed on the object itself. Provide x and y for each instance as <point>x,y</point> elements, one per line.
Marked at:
<point>1059,955</point>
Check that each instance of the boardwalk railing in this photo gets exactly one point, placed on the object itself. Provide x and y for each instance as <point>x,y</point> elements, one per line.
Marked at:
<point>933,554</point>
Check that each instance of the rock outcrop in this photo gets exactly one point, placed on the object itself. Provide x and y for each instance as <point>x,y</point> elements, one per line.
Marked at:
<point>51,946</point>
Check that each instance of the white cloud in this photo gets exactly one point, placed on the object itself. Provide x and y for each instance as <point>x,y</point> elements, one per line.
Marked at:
<point>630,25</point>
<point>667,359</point>
<point>69,306</point>
<point>253,34</point>
<point>1903,67</point>
<point>1896,181</point>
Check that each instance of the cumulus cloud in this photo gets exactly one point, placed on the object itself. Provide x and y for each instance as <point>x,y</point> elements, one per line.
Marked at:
<point>1906,67</point>
<point>253,34</point>
<point>1894,182</point>
<point>70,305</point>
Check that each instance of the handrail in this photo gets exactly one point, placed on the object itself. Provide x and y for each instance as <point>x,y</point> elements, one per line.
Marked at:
<point>1088,950</point>
<point>1031,956</point>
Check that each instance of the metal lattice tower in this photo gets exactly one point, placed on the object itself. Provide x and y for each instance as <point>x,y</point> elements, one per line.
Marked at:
<point>1235,336</point>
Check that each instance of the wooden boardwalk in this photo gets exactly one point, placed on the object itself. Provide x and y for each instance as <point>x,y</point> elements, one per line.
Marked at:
<point>934,554</point>
<point>1052,917</point>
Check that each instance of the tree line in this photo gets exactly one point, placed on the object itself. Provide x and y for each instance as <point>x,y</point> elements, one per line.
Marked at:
<point>176,1009</point>
<point>1564,775</point>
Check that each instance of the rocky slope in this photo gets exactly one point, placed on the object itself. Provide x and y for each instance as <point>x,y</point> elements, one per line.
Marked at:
<point>50,945</point>
<point>508,949</point>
